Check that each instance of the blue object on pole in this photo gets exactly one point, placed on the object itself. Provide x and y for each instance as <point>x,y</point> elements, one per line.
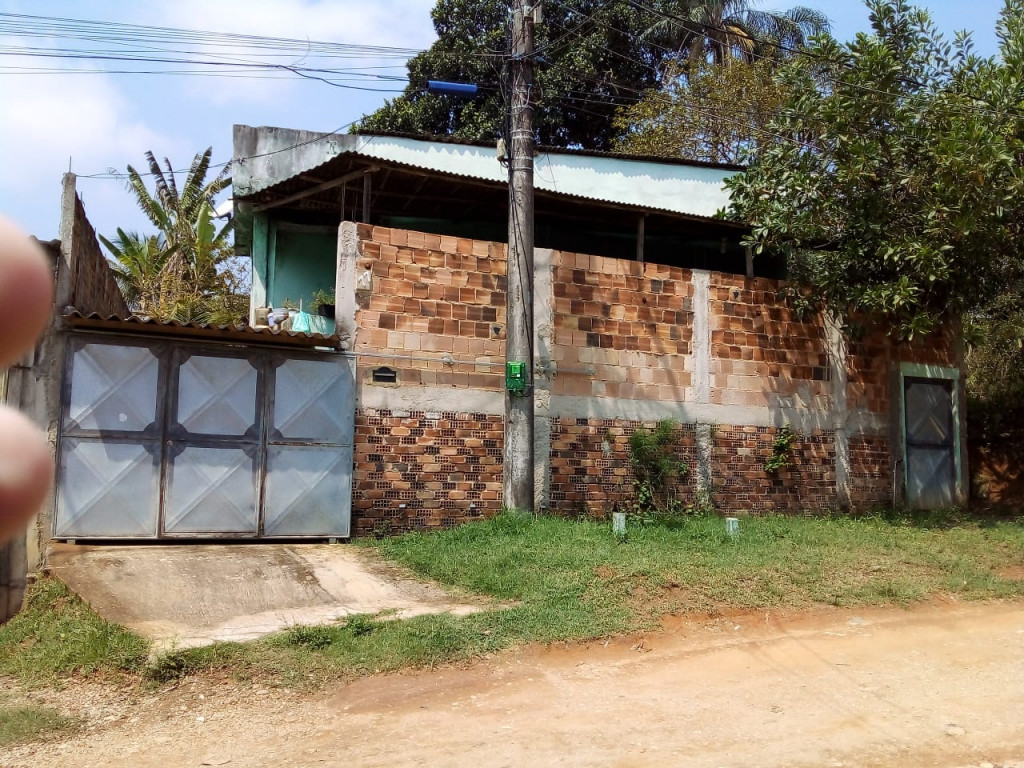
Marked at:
<point>451,89</point>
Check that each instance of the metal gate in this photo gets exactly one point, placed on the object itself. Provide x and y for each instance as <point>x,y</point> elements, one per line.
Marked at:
<point>165,439</point>
<point>930,440</point>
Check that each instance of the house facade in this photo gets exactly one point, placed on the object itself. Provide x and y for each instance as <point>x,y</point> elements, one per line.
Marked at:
<point>646,308</point>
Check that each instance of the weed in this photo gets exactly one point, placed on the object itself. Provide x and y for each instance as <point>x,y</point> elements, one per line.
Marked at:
<point>360,624</point>
<point>656,471</point>
<point>315,637</point>
<point>782,450</point>
<point>19,725</point>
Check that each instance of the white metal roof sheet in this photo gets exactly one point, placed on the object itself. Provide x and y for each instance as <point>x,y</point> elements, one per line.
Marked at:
<point>265,157</point>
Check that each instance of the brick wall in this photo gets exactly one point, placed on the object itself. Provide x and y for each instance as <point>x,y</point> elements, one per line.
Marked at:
<point>621,328</point>
<point>625,339</point>
<point>870,470</point>
<point>762,354</point>
<point>417,470</point>
<point>590,472</point>
<point>870,361</point>
<point>741,483</point>
<point>433,296</point>
<point>93,285</point>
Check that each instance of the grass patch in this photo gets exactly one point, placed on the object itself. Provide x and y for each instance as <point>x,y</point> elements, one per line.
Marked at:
<point>555,580</point>
<point>569,580</point>
<point>23,724</point>
<point>56,635</point>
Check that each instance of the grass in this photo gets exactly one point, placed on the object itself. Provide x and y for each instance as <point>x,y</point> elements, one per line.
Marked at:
<point>554,580</point>
<point>56,636</point>
<point>22,724</point>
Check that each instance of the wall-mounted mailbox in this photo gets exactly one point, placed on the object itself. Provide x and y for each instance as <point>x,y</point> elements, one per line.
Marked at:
<point>384,375</point>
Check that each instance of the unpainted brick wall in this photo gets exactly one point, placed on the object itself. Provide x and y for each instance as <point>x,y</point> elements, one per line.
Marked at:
<point>590,470</point>
<point>417,470</point>
<point>433,296</point>
<point>95,289</point>
<point>870,361</point>
<point>622,330</point>
<point>629,323</point>
<point>762,354</point>
<point>871,481</point>
<point>741,483</point>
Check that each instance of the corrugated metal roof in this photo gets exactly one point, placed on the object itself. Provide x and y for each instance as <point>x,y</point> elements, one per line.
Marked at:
<point>265,157</point>
<point>547,149</point>
<point>227,333</point>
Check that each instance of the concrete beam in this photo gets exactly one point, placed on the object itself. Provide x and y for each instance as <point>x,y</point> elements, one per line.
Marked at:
<point>802,419</point>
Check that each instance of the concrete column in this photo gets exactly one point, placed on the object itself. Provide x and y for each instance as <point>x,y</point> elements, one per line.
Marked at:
<point>260,263</point>
<point>701,355</point>
<point>836,343</point>
<point>701,336</point>
<point>544,373</point>
<point>345,283</point>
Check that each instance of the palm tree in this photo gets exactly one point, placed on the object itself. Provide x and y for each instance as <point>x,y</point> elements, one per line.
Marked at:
<point>721,31</point>
<point>185,273</point>
<point>178,215</point>
<point>140,267</point>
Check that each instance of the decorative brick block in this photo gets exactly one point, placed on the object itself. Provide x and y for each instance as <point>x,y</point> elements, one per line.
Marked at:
<point>416,470</point>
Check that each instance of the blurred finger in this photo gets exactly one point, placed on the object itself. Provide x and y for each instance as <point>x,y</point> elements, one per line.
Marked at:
<point>25,471</point>
<point>26,292</point>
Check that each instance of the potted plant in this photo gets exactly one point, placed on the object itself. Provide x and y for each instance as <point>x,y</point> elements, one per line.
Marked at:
<point>323,303</point>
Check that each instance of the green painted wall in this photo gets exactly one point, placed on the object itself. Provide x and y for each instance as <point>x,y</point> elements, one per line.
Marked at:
<point>303,262</point>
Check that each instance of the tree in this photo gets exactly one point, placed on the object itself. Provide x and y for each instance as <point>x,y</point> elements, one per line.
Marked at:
<point>717,114</point>
<point>719,31</point>
<point>139,267</point>
<point>591,55</point>
<point>188,272</point>
<point>894,187</point>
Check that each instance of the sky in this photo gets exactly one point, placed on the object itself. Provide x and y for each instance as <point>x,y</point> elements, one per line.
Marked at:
<point>97,120</point>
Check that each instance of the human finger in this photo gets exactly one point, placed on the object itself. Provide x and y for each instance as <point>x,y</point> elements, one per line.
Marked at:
<point>26,292</point>
<point>25,471</point>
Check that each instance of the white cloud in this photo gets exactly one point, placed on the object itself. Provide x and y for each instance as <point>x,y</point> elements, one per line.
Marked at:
<point>51,118</point>
<point>395,23</point>
<point>391,23</point>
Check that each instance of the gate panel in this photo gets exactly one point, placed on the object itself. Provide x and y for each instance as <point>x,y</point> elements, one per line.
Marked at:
<point>109,462</point>
<point>931,463</point>
<point>309,491</point>
<point>107,490</point>
<point>314,401</point>
<point>309,451</point>
<point>112,388</point>
<point>217,395</point>
<point>210,490</point>
<point>212,468</point>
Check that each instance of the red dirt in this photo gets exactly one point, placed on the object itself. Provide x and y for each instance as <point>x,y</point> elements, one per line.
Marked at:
<point>940,685</point>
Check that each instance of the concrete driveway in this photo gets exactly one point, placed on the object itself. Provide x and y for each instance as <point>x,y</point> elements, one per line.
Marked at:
<point>183,596</point>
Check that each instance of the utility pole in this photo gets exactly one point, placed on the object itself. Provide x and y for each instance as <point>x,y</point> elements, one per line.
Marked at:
<point>518,458</point>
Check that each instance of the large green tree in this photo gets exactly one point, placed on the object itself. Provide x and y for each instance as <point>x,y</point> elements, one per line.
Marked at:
<point>592,54</point>
<point>715,114</point>
<point>894,185</point>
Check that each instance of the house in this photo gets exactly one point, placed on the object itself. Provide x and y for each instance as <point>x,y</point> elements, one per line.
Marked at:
<point>647,307</point>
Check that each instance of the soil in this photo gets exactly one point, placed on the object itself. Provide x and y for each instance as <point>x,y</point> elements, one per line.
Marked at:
<point>939,685</point>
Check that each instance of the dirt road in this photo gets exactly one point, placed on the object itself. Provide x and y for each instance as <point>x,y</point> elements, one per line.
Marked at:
<point>941,685</point>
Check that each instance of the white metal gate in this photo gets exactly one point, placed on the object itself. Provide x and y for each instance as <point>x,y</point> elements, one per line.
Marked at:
<point>174,439</point>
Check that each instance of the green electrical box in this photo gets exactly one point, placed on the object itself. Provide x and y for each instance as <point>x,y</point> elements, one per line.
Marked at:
<point>515,378</point>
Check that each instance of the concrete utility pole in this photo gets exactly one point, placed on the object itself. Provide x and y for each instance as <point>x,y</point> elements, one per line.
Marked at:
<point>518,464</point>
